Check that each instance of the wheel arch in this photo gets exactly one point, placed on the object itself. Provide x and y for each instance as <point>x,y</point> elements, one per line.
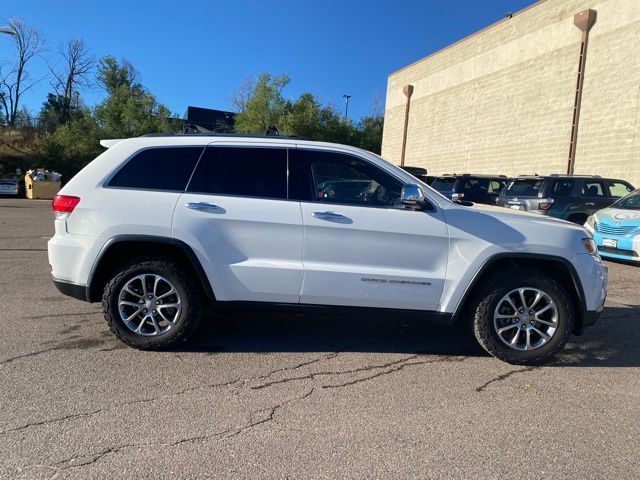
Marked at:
<point>123,248</point>
<point>556,265</point>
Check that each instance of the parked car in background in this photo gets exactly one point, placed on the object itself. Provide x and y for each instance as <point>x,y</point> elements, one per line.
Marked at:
<point>420,173</point>
<point>568,197</point>
<point>10,186</point>
<point>470,187</point>
<point>616,229</point>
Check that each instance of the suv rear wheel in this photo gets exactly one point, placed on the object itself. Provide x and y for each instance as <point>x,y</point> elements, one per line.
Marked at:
<point>523,316</point>
<point>151,303</point>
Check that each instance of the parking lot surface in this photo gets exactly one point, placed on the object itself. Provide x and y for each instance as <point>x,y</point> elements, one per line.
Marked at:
<point>292,396</point>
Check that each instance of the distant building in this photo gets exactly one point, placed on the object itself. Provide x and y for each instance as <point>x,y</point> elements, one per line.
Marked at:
<point>215,120</point>
<point>506,99</point>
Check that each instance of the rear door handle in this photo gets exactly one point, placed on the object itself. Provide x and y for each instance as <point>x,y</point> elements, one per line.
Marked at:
<point>590,204</point>
<point>202,206</point>
<point>327,215</point>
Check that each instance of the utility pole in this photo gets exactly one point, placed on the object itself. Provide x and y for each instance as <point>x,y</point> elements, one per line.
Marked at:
<point>346,107</point>
<point>584,21</point>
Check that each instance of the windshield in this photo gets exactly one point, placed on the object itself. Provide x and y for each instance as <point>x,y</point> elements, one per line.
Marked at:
<point>630,202</point>
<point>443,184</point>
<point>524,188</point>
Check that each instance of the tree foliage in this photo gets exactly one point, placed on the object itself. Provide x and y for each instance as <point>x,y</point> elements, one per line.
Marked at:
<point>129,109</point>
<point>261,105</point>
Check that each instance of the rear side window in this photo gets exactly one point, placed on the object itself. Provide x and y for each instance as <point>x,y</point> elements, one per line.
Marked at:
<point>593,189</point>
<point>167,168</point>
<point>247,172</point>
<point>524,188</point>
<point>562,188</point>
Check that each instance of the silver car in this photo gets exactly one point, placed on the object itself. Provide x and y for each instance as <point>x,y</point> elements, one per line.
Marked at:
<point>9,186</point>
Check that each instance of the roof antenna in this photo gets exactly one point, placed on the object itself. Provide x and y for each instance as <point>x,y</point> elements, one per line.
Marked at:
<point>272,132</point>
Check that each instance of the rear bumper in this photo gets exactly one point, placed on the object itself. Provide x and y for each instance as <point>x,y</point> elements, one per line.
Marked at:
<point>71,289</point>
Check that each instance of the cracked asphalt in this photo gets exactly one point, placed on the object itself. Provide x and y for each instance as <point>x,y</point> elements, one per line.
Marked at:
<point>292,396</point>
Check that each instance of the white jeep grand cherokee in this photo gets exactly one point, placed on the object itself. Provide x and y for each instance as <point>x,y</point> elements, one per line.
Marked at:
<point>159,225</point>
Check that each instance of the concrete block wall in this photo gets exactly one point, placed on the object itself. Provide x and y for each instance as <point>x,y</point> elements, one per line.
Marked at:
<point>502,100</point>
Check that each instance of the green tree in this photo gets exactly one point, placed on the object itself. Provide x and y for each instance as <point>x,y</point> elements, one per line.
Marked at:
<point>265,107</point>
<point>72,145</point>
<point>129,109</point>
<point>370,133</point>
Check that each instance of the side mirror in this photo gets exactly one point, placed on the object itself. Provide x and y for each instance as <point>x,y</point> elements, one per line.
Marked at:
<point>412,196</point>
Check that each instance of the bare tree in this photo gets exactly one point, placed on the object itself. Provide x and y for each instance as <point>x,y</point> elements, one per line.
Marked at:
<point>73,74</point>
<point>377,105</point>
<point>241,96</point>
<point>14,80</point>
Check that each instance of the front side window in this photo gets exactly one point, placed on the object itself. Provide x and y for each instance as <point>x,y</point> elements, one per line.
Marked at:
<point>242,171</point>
<point>475,186</point>
<point>443,184</point>
<point>344,179</point>
<point>618,189</point>
<point>496,186</point>
<point>163,168</point>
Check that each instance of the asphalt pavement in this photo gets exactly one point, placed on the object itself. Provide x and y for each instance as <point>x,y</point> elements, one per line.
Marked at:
<point>293,396</point>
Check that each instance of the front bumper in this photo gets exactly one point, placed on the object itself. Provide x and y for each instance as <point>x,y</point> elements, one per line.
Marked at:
<point>627,247</point>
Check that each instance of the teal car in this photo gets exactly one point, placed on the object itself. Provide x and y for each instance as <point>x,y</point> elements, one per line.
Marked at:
<point>616,229</point>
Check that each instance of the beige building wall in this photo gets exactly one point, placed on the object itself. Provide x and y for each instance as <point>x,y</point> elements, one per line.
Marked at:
<point>501,101</point>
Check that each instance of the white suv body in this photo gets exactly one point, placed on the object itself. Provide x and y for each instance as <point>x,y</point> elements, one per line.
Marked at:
<point>280,220</point>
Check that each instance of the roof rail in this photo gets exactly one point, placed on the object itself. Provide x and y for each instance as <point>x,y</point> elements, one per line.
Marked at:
<point>223,134</point>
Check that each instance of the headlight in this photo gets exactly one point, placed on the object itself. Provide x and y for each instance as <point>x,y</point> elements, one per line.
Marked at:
<point>590,246</point>
<point>591,222</point>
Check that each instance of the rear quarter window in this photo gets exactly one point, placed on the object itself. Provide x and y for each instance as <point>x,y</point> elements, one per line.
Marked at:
<point>162,168</point>
<point>524,188</point>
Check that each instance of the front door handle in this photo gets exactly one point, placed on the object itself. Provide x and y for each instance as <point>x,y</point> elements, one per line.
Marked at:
<point>590,204</point>
<point>327,215</point>
<point>202,206</point>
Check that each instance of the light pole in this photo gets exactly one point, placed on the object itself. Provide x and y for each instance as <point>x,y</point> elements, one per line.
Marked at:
<point>346,107</point>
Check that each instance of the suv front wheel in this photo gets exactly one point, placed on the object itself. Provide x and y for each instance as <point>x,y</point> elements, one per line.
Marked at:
<point>151,303</point>
<point>523,316</point>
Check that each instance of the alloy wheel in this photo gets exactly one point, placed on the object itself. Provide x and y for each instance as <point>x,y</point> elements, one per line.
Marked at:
<point>149,304</point>
<point>526,318</point>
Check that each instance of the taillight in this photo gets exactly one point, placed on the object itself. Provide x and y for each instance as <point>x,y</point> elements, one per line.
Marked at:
<point>545,204</point>
<point>63,205</point>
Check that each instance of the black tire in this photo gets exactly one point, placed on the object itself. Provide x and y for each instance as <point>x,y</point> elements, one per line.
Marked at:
<point>485,302</point>
<point>190,299</point>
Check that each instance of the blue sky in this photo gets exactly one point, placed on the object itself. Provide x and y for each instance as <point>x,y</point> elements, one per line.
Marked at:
<point>198,52</point>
